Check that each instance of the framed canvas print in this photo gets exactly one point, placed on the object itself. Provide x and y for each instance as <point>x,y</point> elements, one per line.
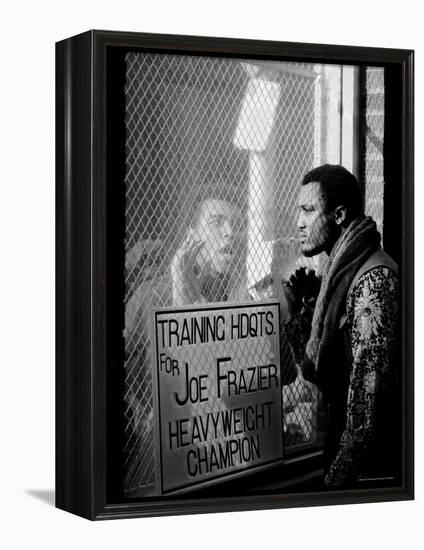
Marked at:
<point>234,274</point>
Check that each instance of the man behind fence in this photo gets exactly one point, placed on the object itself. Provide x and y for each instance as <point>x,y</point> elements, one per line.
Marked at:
<point>200,267</point>
<point>349,350</point>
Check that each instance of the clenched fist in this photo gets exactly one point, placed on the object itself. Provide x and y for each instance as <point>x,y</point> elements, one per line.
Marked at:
<point>301,290</point>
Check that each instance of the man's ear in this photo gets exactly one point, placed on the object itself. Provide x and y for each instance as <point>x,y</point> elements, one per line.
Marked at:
<point>340,215</point>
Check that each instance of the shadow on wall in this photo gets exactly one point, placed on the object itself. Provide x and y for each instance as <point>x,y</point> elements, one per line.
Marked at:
<point>45,495</point>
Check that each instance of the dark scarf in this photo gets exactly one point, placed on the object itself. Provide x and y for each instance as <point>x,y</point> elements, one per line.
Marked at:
<point>350,251</point>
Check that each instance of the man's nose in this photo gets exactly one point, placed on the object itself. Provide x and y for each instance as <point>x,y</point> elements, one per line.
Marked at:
<point>300,221</point>
<point>227,230</point>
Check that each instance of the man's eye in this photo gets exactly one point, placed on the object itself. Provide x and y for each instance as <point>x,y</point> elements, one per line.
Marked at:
<point>218,221</point>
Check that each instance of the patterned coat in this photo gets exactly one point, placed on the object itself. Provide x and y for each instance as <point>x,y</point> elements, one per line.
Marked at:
<point>362,444</point>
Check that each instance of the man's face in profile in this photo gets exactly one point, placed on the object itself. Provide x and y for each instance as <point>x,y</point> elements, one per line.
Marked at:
<point>317,230</point>
<point>215,229</point>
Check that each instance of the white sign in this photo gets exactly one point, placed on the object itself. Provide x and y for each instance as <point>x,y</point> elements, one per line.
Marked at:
<point>218,383</point>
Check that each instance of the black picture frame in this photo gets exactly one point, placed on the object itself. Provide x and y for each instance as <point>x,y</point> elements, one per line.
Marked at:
<point>88,257</point>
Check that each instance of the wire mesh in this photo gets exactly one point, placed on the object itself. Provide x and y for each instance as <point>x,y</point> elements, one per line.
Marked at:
<point>374,142</point>
<point>215,150</point>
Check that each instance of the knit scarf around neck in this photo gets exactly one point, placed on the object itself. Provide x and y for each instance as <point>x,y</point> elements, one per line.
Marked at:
<point>351,250</point>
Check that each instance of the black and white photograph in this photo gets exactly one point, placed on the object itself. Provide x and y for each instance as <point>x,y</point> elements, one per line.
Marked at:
<point>248,336</point>
<point>211,301</point>
<point>261,299</point>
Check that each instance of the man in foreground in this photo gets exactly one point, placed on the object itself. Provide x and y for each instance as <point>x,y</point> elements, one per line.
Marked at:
<point>352,329</point>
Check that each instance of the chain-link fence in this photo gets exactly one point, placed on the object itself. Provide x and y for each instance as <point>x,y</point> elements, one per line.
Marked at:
<point>374,143</point>
<point>215,151</point>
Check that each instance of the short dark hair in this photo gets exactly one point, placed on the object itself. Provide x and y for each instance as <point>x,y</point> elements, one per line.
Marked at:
<point>338,187</point>
<point>198,211</point>
<point>201,205</point>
